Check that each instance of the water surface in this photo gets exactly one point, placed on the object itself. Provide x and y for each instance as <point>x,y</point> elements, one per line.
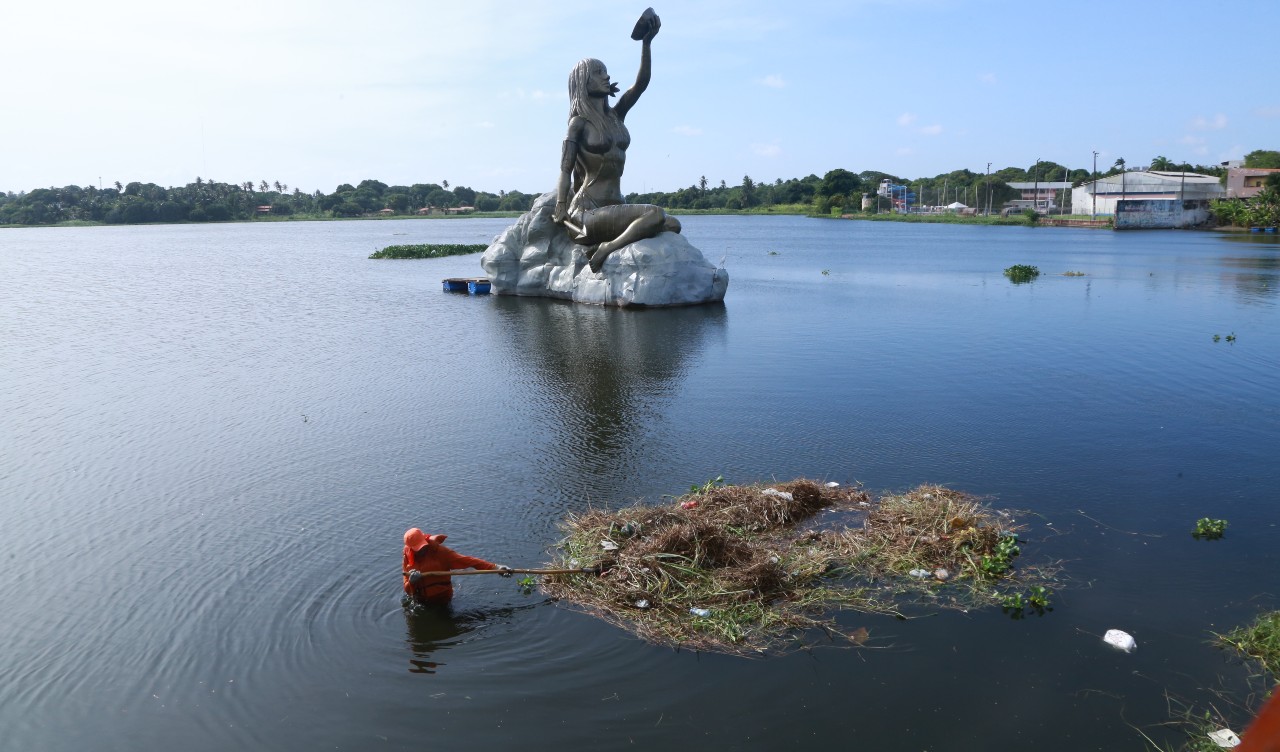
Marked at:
<point>213,437</point>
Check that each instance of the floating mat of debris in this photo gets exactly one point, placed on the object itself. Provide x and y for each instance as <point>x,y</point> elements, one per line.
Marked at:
<point>747,569</point>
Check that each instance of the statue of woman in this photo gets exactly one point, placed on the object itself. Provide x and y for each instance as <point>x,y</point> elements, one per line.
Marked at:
<point>595,151</point>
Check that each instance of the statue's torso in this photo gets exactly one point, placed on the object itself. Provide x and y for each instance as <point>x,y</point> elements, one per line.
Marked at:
<point>602,155</point>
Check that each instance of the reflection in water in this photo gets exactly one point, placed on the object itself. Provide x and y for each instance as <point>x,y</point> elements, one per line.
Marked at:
<point>433,628</point>
<point>1258,275</point>
<point>1270,239</point>
<point>601,372</point>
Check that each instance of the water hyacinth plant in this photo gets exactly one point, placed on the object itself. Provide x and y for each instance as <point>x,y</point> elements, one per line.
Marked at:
<point>426,250</point>
<point>1020,273</point>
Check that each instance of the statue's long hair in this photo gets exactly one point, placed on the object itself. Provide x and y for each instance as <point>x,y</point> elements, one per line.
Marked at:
<point>580,105</point>
<point>580,100</point>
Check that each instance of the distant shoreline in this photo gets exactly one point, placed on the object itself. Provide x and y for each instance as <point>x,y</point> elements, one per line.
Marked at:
<point>1014,220</point>
<point>781,210</point>
<point>276,219</point>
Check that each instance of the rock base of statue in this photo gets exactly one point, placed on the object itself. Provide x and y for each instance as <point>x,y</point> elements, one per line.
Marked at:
<point>535,257</point>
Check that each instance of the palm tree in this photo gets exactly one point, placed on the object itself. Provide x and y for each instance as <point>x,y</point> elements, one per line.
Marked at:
<point>278,188</point>
<point>1162,163</point>
<point>264,186</point>
<point>1120,165</point>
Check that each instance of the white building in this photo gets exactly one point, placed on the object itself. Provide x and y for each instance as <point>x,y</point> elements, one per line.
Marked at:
<point>1144,185</point>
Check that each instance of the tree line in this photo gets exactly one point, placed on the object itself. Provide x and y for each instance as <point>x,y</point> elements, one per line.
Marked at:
<point>843,189</point>
<point>212,201</point>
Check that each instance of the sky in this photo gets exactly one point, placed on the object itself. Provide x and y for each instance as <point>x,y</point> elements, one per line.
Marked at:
<point>319,93</point>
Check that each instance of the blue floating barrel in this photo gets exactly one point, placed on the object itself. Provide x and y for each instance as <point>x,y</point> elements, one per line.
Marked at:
<point>478,287</point>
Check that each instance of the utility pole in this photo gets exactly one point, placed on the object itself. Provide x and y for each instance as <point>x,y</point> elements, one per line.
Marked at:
<point>1182,196</point>
<point>1094,189</point>
<point>987,185</point>
<point>1035,194</point>
<point>1066,181</point>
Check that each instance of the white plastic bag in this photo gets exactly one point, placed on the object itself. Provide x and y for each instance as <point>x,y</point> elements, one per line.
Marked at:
<point>1225,738</point>
<point>1120,640</point>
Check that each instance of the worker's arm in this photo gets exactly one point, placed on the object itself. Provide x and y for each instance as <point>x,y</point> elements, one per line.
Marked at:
<point>460,561</point>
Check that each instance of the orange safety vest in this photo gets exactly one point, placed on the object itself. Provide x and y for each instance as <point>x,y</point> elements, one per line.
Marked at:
<point>434,557</point>
<point>1263,735</point>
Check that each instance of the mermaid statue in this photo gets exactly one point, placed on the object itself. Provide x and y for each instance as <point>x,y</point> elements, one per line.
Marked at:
<point>595,152</point>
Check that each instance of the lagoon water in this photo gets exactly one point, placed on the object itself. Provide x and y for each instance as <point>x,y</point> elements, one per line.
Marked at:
<point>213,437</point>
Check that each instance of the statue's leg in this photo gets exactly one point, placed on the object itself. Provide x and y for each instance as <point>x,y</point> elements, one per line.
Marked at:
<point>647,225</point>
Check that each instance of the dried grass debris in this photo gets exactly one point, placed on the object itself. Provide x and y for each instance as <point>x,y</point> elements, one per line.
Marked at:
<point>745,569</point>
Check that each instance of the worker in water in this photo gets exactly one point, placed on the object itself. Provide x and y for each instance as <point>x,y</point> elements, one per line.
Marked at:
<point>425,553</point>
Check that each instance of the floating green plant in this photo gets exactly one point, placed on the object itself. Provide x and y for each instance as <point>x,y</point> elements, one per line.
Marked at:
<point>1209,528</point>
<point>426,250</point>
<point>1019,273</point>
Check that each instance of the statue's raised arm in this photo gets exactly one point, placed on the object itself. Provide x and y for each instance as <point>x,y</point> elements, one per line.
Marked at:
<point>646,29</point>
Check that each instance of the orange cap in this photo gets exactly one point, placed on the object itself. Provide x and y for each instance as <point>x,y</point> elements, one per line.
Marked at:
<point>415,539</point>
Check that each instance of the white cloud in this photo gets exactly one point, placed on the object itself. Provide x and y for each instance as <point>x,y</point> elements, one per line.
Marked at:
<point>484,124</point>
<point>766,150</point>
<point>1197,145</point>
<point>908,119</point>
<point>1216,123</point>
<point>904,150</point>
<point>988,78</point>
<point>687,130</point>
<point>1272,111</point>
<point>536,95</point>
<point>773,81</point>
